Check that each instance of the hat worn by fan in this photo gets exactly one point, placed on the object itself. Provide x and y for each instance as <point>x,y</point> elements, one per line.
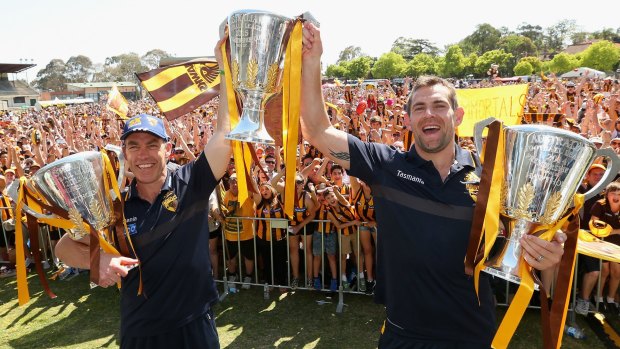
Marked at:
<point>599,166</point>
<point>145,123</point>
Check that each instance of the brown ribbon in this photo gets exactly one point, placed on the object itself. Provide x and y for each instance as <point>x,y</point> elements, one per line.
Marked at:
<point>33,227</point>
<point>554,319</point>
<point>119,228</point>
<point>475,250</point>
<point>544,309</point>
<point>257,162</point>
<point>117,204</point>
<point>95,255</point>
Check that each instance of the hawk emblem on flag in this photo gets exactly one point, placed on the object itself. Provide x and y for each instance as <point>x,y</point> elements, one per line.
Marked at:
<point>209,72</point>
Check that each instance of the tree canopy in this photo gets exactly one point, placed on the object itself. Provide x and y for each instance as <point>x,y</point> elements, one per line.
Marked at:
<point>409,47</point>
<point>52,77</point>
<point>602,55</point>
<point>389,65</point>
<point>80,68</point>
<point>528,49</point>
<point>349,53</point>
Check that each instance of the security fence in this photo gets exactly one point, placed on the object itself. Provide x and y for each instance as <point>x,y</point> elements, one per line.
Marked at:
<point>350,275</point>
<point>267,262</point>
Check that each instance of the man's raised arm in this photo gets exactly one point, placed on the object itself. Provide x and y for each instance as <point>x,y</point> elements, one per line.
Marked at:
<point>315,124</point>
<point>218,149</point>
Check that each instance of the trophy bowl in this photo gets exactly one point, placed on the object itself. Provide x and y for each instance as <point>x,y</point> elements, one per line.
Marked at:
<point>258,41</point>
<point>75,184</point>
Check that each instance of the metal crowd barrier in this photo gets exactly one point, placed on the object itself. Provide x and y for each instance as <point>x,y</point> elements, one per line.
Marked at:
<point>47,251</point>
<point>269,285</point>
<point>4,237</point>
<point>46,246</point>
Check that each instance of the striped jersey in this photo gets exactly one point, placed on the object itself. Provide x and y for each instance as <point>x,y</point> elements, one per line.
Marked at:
<point>263,227</point>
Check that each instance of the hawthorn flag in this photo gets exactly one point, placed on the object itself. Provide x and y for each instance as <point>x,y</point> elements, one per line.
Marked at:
<point>178,89</point>
<point>117,103</point>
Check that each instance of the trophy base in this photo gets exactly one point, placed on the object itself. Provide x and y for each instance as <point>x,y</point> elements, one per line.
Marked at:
<point>508,276</point>
<point>251,138</point>
<point>251,128</point>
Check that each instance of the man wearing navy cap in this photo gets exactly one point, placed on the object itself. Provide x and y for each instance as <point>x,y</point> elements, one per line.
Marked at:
<point>166,216</point>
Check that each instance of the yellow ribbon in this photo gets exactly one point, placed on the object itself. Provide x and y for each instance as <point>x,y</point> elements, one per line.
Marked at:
<point>23,295</point>
<point>291,98</point>
<point>108,175</point>
<point>106,187</point>
<point>240,152</point>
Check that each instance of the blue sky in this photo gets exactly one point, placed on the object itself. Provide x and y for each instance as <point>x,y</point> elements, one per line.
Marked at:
<point>41,30</point>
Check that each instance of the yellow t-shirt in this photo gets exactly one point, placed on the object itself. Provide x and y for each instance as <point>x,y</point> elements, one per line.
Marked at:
<point>231,208</point>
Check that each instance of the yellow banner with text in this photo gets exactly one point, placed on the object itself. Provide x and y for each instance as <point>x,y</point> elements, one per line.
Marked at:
<point>501,102</point>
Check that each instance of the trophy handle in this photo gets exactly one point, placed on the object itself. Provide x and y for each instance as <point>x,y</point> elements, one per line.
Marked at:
<point>13,193</point>
<point>478,129</point>
<point>121,163</point>
<point>612,170</point>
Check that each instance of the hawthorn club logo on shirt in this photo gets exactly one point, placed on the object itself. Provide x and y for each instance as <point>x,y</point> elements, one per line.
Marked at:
<point>170,202</point>
<point>472,182</point>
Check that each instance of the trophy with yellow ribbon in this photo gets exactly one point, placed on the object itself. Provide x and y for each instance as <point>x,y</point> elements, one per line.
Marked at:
<point>262,60</point>
<point>528,185</point>
<point>79,193</point>
<point>543,167</point>
<point>258,41</point>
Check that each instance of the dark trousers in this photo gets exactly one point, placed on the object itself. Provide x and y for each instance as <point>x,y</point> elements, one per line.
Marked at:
<point>391,338</point>
<point>279,260</point>
<point>200,333</point>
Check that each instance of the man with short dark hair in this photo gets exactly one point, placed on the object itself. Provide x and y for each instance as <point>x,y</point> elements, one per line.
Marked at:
<point>4,157</point>
<point>306,161</point>
<point>424,214</point>
<point>336,174</point>
<point>270,161</point>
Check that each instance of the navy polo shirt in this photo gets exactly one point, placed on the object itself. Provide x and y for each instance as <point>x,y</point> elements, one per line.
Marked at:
<point>176,269</point>
<point>424,225</point>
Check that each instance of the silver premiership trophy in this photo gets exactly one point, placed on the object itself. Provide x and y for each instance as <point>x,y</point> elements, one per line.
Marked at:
<point>258,42</point>
<point>75,184</point>
<point>543,167</point>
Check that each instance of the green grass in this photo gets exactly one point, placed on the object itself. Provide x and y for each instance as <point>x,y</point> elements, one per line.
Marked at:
<point>83,318</point>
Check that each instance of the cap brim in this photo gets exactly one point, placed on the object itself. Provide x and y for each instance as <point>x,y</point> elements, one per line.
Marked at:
<point>128,133</point>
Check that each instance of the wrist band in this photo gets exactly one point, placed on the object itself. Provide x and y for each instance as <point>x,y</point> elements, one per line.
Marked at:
<point>222,72</point>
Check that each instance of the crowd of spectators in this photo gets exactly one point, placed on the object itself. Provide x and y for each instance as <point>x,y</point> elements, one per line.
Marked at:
<point>327,199</point>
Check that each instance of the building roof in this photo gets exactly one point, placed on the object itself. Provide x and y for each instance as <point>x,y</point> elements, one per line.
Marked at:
<point>578,72</point>
<point>14,67</point>
<point>16,88</point>
<point>101,84</point>
<point>573,49</point>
